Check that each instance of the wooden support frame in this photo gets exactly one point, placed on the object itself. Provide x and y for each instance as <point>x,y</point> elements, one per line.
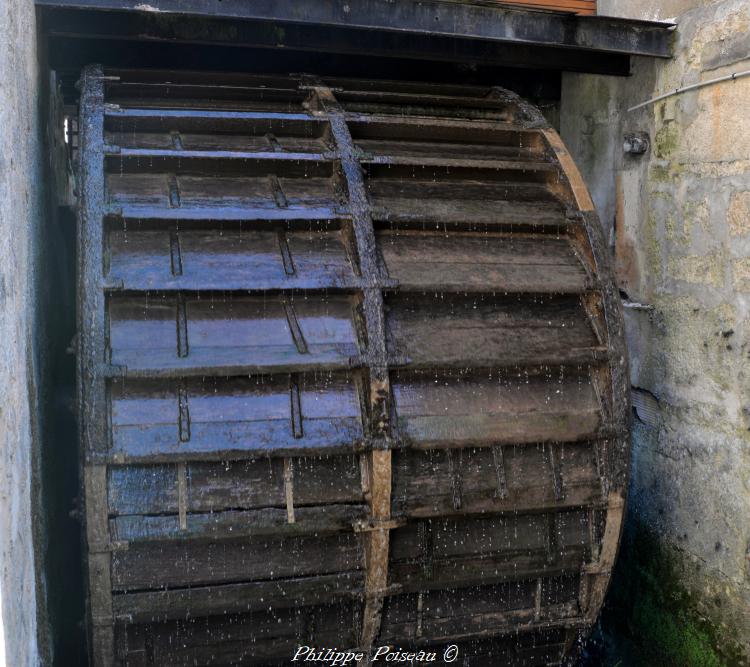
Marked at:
<point>611,381</point>
<point>378,469</point>
<point>92,353</point>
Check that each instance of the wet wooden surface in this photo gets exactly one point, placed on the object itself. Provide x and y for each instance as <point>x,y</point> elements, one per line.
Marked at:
<point>355,372</point>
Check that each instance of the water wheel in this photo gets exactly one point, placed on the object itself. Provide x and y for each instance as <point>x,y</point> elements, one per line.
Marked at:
<point>352,373</point>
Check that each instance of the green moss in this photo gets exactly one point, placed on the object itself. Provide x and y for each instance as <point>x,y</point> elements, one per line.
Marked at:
<point>666,140</point>
<point>674,638</point>
<point>652,243</point>
<point>650,610</point>
<point>665,172</point>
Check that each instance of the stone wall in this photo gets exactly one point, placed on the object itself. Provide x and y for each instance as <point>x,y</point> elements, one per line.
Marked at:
<point>21,206</point>
<point>678,220</point>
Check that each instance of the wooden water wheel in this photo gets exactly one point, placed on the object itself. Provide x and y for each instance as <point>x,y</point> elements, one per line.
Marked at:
<point>352,372</point>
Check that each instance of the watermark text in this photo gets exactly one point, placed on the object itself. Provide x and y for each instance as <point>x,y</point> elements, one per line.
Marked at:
<point>340,658</point>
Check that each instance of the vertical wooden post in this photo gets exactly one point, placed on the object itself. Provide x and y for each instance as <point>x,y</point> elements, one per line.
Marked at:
<point>379,460</point>
<point>92,357</point>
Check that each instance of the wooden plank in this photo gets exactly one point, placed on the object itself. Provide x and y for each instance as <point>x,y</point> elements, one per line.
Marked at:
<point>232,415</point>
<point>519,148</point>
<point>472,537</point>
<point>95,438</point>
<point>474,262</point>
<point>500,567</point>
<point>159,94</point>
<point>445,137</point>
<point>358,109</point>
<point>213,163</point>
<point>472,213</point>
<point>513,407</point>
<point>229,332</point>
<point>460,163</point>
<point>155,118</point>
<point>235,598</point>
<point>582,7</point>
<point>266,637</point>
<point>238,485</point>
<point>445,191</point>
<point>595,577</point>
<point>167,135</point>
<point>140,193</point>
<point>231,523</point>
<point>483,331</point>
<point>166,147</point>
<point>235,259</point>
<point>365,125</point>
<point>422,485</point>
<point>475,613</point>
<point>242,212</point>
<point>379,464</point>
<point>572,177</point>
<point>172,564</point>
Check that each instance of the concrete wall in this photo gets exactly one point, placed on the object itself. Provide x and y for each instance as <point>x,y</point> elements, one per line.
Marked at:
<point>21,206</point>
<point>679,223</point>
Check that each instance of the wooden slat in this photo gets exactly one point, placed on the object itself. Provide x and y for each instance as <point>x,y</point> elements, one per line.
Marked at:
<point>230,335</point>
<point>232,417</point>
<point>214,525</point>
<point>439,262</point>
<point>483,331</point>
<point>434,212</point>
<point>224,599</point>
<point>254,484</point>
<point>422,485</point>
<point>434,126</point>
<point>401,142</point>
<point>141,192</point>
<point>235,259</point>
<point>166,141</point>
<point>482,612</point>
<point>195,118</point>
<point>214,162</point>
<point>458,538</point>
<point>460,163</point>
<point>229,213</point>
<point>515,407</point>
<point>179,564</point>
<point>447,190</point>
<point>132,126</point>
<point>258,638</point>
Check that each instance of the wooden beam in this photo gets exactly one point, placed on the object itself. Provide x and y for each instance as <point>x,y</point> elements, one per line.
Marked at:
<point>595,577</point>
<point>92,355</point>
<point>379,461</point>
